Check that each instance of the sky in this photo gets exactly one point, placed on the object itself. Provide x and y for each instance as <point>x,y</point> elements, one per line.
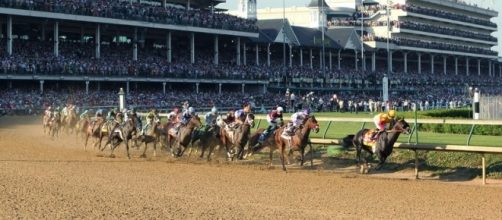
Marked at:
<point>496,4</point>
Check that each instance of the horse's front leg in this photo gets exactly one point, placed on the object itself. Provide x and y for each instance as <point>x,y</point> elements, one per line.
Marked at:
<point>302,156</point>
<point>282,154</point>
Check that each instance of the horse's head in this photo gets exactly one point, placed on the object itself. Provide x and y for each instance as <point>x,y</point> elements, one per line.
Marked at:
<point>401,125</point>
<point>312,124</point>
<point>195,121</point>
<point>250,119</point>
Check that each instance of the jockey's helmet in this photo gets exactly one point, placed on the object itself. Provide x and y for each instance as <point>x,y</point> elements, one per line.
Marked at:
<point>306,111</point>
<point>214,110</point>
<point>392,113</point>
<point>280,109</point>
<point>191,110</point>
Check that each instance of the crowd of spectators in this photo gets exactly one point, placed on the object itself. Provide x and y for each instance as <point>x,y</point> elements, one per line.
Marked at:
<point>443,14</point>
<point>442,30</point>
<point>433,45</point>
<point>132,10</point>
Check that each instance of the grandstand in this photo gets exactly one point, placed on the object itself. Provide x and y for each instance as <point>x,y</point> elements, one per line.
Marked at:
<point>177,45</point>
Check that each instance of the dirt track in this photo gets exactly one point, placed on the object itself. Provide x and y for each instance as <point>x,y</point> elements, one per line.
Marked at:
<point>42,178</point>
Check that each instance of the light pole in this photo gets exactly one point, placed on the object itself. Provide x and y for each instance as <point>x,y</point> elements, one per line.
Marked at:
<point>363,64</point>
<point>284,40</point>
<point>385,80</point>
<point>322,40</point>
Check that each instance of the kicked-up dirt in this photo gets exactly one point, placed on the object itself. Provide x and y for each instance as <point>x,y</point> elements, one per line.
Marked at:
<point>41,178</point>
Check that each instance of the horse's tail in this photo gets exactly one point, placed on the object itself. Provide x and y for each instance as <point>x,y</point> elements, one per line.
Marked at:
<point>347,141</point>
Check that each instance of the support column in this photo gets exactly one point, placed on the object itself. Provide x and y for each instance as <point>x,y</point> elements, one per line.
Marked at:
<point>97,41</point>
<point>127,87</point>
<point>311,61</point>
<point>41,87</point>
<point>456,66</point>
<point>479,67</point>
<point>405,62</point>
<point>330,60</point>
<point>268,54</point>
<point>244,56</point>
<point>432,63</point>
<point>243,86</point>
<point>87,87</point>
<point>290,55</point>
<point>219,89</point>
<point>320,59</point>
<point>216,50</point>
<point>390,63</point>
<point>339,59</point>
<point>419,63</point>
<point>9,35</point>
<point>164,3</point>
<point>238,51</point>
<point>257,58</point>
<point>264,89</point>
<point>164,87</point>
<point>373,61</point>
<point>500,70</point>
<point>169,47</point>
<point>444,65</point>
<point>44,32</point>
<point>356,60</point>
<point>135,45</point>
<point>467,66</point>
<point>192,48</point>
<point>56,39</point>
<point>301,56</point>
<point>363,58</point>
<point>489,68</point>
<point>197,88</point>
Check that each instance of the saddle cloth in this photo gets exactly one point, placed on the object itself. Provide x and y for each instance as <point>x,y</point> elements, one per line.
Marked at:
<point>367,141</point>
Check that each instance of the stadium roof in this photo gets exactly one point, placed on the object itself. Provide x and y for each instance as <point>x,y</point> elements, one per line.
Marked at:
<point>271,32</point>
<point>195,3</point>
<point>310,37</point>
<point>317,4</point>
<point>347,38</point>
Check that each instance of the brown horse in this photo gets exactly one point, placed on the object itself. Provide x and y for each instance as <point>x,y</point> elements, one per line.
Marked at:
<point>184,136</point>
<point>70,121</point>
<point>45,121</point>
<point>208,139</point>
<point>152,135</point>
<point>382,146</point>
<point>297,142</point>
<point>81,127</point>
<point>54,125</point>
<point>97,129</point>
<point>235,141</point>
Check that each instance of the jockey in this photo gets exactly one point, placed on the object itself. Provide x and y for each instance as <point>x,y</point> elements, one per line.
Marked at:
<point>210,117</point>
<point>187,115</point>
<point>381,120</point>
<point>111,114</point>
<point>273,118</point>
<point>172,117</point>
<point>48,111</point>
<point>185,106</point>
<point>296,120</point>
<point>240,115</point>
<point>150,119</point>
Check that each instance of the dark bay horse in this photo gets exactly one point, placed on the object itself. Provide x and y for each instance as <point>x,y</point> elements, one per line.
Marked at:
<point>235,141</point>
<point>297,142</point>
<point>98,129</point>
<point>382,146</point>
<point>152,135</point>
<point>121,134</point>
<point>184,136</point>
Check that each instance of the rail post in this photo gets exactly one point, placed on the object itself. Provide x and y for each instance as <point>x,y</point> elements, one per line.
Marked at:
<point>416,163</point>
<point>470,135</point>
<point>412,132</point>
<point>483,164</point>
<point>326,131</point>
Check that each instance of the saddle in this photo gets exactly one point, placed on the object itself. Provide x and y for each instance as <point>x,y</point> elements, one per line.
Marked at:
<point>369,141</point>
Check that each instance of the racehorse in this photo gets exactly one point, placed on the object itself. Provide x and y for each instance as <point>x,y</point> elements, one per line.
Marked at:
<point>97,129</point>
<point>208,139</point>
<point>81,127</point>
<point>238,138</point>
<point>45,121</point>
<point>70,121</point>
<point>297,142</point>
<point>382,146</point>
<point>121,134</point>
<point>184,136</point>
<point>152,135</point>
<point>55,125</point>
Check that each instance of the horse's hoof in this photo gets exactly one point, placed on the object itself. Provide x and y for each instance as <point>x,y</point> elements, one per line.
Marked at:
<point>143,156</point>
